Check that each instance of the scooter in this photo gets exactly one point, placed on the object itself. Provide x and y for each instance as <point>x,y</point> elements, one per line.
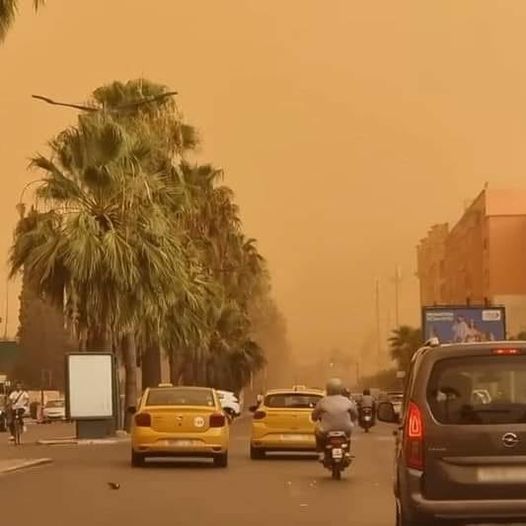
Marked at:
<point>366,418</point>
<point>337,453</point>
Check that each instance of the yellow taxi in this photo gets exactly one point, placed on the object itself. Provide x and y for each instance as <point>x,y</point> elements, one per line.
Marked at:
<point>179,422</point>
<point>282,422</point>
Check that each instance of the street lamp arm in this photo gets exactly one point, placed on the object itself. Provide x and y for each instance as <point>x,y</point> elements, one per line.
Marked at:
<point>65,104</point>
<point>115,109</point>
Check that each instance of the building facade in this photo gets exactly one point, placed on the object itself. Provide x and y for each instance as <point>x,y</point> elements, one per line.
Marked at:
<point>481,259</point>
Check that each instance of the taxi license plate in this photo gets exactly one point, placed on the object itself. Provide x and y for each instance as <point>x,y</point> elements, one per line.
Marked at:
<point>337,453</point>
<point>509,474</point>
<point>179,443</point>
<point>294,438</point>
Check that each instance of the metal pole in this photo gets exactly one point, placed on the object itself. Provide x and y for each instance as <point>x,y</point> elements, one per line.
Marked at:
<point>6,307</point>
<point>378,327</point>
<point>397,297</point>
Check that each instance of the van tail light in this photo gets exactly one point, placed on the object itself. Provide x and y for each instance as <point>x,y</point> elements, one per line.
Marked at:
<point>414,437</point>
<point>506,352</point>
<point>217,420</point>
<point>259,415</point>
<point>143,420</point>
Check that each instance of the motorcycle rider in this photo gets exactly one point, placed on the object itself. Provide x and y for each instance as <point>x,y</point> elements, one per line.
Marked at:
<point>334,412</point>
<point>367,402</point>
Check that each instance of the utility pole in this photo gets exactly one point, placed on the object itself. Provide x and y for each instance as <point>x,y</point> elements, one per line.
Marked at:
<point>6,307</point>
<point>397,281</point>
<point>378,324</point>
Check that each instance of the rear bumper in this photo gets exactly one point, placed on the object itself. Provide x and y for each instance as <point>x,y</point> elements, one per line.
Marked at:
<point>417,506</point>
<point>280,442</point>
<point>213,442</point>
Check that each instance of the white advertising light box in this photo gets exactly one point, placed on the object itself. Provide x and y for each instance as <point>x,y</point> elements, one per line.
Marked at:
<point>90,385</point>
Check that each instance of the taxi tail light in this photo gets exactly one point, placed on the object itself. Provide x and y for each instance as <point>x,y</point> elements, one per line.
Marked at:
<point>217,420</point>
<point>414,437</point>
<point>143,420</point>
<point>259,415</point>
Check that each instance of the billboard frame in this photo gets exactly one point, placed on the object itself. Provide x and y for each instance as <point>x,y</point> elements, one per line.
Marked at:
<point>114,386</point>
<point>485,306</point>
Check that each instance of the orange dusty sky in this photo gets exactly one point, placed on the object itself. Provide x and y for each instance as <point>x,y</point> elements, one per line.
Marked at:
<point>346,127</point>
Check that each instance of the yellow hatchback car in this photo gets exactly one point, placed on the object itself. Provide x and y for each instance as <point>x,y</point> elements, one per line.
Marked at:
<point>282,422</point>
<point>179,422</point>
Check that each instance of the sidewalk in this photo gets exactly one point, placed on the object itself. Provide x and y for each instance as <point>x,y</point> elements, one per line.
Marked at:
<point>17,464</point>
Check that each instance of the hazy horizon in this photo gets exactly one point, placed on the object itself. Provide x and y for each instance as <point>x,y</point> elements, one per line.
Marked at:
<point>346,128</point>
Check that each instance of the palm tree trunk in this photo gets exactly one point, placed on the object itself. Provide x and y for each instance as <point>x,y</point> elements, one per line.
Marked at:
<point>99,340</point>
<point>151,365</point>
<point>177,367</point>
<point>129,353</point>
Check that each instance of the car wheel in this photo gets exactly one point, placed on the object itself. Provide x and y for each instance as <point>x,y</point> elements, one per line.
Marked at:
<point>221,461</point>
<point>257,453</point>
<point>137,459</point>
<point>403,520</point>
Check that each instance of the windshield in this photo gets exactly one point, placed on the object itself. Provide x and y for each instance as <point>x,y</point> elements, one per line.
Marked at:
<point>55,403</point>
<point>479,390</point>
<point>295,401</point>
<point>181,397</point>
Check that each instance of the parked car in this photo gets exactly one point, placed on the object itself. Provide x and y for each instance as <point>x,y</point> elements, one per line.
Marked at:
<point>229,403</point>
<point>462,459</point>
<point>54,410</point>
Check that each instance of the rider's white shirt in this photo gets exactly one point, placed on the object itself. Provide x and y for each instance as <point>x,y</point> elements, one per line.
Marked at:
<point>19,399</point>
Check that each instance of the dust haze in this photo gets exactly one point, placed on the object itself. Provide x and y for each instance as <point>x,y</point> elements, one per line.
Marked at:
<point>345,127</point>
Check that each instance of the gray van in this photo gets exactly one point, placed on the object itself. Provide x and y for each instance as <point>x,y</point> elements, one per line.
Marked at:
<point>461,456</point>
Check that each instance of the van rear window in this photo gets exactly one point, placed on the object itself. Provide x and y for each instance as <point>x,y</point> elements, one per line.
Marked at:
<point>479,390</point>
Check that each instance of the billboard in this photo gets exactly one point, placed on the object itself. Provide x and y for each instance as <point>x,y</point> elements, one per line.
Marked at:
<point>465,324</point>
<point>90,385</point>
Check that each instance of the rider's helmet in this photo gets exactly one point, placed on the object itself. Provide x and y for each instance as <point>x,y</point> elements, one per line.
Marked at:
<point>334,387</point>
<point>366,392</point>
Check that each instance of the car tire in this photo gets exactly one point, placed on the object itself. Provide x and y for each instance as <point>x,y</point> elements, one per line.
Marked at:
<point>137,459</point>
<point>221,461</point>
<point>403,520</point>
<point>257,453</point>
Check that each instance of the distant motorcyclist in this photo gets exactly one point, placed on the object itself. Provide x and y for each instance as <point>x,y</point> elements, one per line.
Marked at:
<point>334,412</point>
<point>367,410</point>
<point>367,400</point>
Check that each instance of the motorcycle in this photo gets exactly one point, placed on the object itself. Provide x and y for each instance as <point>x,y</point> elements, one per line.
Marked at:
<point>337,453</point>
<point>366,418</point>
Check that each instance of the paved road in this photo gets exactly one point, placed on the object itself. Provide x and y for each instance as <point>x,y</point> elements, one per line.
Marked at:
<point>276,492</point>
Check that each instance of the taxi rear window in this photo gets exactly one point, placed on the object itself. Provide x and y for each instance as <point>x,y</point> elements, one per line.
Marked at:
<point>181,397</point>
<point>292,401</point>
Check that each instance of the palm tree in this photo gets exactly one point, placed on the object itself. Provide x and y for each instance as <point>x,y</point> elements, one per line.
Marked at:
<point>102,242</point>
<point>404,342</point>
<point>8,12</point>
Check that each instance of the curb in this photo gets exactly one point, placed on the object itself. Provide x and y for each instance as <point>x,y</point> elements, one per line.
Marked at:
<point>82,442</point>
<point>20,465</point>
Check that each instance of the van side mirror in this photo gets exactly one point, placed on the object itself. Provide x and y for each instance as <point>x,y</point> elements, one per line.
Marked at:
<point>386,413</point>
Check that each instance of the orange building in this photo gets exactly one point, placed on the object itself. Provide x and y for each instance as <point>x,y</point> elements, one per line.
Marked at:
<point>482,259</point>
